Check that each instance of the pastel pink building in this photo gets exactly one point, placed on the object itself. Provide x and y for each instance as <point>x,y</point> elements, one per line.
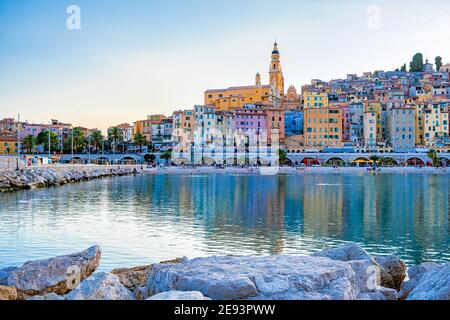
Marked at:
<point>346,123</point>
<point>251,121</point>
<point>28,129</point>
<point>250,118</point>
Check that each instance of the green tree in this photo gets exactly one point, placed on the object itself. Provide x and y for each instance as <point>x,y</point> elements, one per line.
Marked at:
<point>97,139</point>
<point>79,140</point>
<point>403,68</point>
<point>140,140</point>
<point>148,158</point>
<point>416,65</point>
<point>115,135</point>
<point>167,155</point>
<point>29,143</point>
<point>43,139</point>
<point>438,62</point>
<point>432,154</point>
<point>282,156</point>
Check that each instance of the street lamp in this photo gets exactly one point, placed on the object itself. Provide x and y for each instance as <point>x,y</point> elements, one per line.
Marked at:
<point>18,142</point>
<point>49,144</point>
<point>89,147</point>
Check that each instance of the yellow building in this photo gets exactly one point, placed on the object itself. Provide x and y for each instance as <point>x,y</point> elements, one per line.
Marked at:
<point>8,145</point>
<point>237,97</point>
<point>314,98</point>
<point>436,124</point>
<point>323,126</point>
<point>420,121</point>
<point>372,106</point>
<point>371,135</point>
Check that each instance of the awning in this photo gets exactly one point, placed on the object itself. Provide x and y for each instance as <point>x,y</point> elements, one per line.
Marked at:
<point>363,161</point>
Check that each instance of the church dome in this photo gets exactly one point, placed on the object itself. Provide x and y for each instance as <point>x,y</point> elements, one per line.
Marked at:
<point>275,49</point>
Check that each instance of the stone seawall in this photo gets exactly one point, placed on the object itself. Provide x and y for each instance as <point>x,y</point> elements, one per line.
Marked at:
<point>56,176</point>
<point>347,272</point>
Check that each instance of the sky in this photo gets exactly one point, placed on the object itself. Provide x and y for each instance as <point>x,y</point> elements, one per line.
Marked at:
<point>132,58</point>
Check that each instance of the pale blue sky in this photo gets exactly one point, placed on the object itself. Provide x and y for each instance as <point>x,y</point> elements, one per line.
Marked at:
<point>137,57</point>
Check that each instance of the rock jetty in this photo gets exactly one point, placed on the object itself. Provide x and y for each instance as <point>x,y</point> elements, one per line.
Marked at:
<point>56,176</point>
<point>347,272</point>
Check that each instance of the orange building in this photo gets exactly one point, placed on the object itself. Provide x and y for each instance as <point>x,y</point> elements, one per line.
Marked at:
<point>275,121</point>
<point>323,126</point>
<point>144,127</point>
<point>8,145</point>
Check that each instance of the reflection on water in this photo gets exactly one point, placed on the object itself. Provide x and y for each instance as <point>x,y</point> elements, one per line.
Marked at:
<point>145,219</point>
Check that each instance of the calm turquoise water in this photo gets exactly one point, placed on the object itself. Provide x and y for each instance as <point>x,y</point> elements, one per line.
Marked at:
<point>146,219</point>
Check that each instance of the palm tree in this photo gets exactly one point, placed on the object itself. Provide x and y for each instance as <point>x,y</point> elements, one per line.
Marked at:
<point>282,155</point>
<point>167,155</point>
<point>140,140</point>
<point>79,141</point>
<point>97,139</point>
<point>28,143</point>
<point>374,158</point>
<point>432,154</point>
<point>115,135</point>
<point>43,137</point>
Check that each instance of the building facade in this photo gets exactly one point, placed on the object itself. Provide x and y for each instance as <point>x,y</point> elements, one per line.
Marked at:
<point>401,123</point>
<point>323,126</point>
<point>9,145</point>
<point>293,123</point>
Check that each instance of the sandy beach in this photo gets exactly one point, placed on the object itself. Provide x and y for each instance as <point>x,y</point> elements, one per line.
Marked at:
<point>290,170</point>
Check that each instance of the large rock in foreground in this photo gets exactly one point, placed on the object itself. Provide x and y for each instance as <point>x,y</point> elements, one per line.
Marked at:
<point>179,295</point>
<point>395,267</point>
<point>433,285</point>
<point>55,275</point>
<point>134,278</point>
<point>266,278</point>
<point>351,251</point>
<point>101,286</point>
<point>8,293</point>
<point>415,273</point>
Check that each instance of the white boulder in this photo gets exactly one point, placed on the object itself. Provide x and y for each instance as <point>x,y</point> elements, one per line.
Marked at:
<point>101,286</point>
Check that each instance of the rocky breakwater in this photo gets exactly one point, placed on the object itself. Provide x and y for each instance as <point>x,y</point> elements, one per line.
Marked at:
<point>347,272</point>
<point>47,177</point>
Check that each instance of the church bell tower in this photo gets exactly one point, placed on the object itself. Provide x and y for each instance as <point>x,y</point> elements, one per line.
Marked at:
<point>275,71</point>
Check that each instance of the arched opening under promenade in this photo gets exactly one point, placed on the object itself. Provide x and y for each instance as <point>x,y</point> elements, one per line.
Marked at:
<point>259,161</point>
<point>128,161</point>
<point>362,162</point>
<point>205,161</point>
<point>76,160</point>
<point>229,161</point>
<point>101,160</point>
<point>387,162</point>
<point>309,162</point>
<point>335,161</point>
<point>445,162</point>
<point>181,161</point>
<point>415,162</point>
